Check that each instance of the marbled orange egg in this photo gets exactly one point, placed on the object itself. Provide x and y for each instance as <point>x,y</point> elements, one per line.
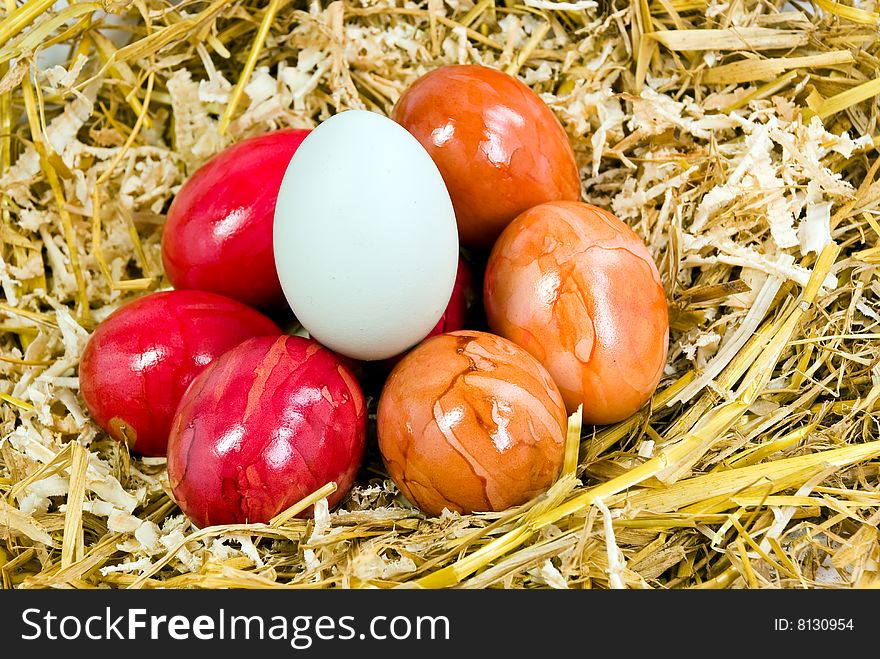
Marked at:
<point>499,147</point>
<point>471,422</point>
<point>577,288</point>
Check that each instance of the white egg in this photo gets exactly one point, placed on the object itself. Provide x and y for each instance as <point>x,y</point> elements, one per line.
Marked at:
<point>366,244</point>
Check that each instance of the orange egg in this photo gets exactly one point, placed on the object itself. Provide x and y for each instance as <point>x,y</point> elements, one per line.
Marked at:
<point>471,422</point>
<point>500,149</point>
<point>577,288</point>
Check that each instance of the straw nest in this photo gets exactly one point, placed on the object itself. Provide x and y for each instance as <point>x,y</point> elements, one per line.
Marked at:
<point>737,138</point>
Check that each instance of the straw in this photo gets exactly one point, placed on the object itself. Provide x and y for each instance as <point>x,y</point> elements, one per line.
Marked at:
<point>739,144</point>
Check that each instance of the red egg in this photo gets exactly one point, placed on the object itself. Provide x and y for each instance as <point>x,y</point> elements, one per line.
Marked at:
<point>140,360</point>
<point>218,234</point>
<point>577,288</point>
<point>265,425</point>
<point>500,149</point>
<point>469,421</point>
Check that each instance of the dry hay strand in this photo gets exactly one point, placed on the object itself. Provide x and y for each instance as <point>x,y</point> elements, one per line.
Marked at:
<point>738,139</point>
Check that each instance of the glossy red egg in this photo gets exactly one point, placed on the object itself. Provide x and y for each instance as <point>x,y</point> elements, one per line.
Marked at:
<point>218,234</point>
<point>469,421</point>
<point>578,289</point>
<point>499,147</point>
<point>264,426</point>
<point>140,360</point>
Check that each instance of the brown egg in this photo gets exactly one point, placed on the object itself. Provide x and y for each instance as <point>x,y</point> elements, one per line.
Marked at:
<point>577,288</point>
<point>471,422</point>
<point>499,147</point>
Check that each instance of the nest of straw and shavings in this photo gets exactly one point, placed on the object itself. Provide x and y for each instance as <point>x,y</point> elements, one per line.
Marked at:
<point>737,138</point>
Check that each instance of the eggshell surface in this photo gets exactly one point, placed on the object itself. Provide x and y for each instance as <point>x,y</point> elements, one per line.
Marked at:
<point>576,287</point>
<point>141,359</point>
<point>265,425</point>
<point>500,148</point>
<point>365,239</point>
<point>469,421</point>
<point>218,235</point>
